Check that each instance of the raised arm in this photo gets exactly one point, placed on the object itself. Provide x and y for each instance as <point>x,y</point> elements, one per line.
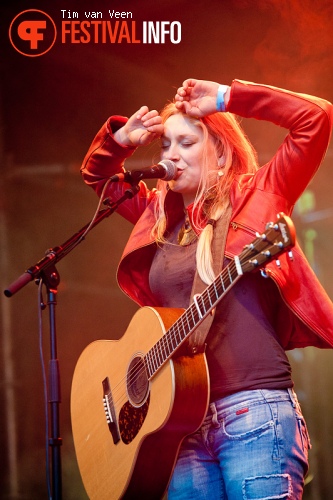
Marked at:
<point>309,122</point>
<point>117,140</point>
<point>308,119</point>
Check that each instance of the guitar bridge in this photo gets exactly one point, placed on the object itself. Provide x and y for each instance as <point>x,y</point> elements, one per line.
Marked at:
<point>110,411</point>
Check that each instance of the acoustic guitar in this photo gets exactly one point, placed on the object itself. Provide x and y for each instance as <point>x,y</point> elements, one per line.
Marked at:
<point>134,400</point>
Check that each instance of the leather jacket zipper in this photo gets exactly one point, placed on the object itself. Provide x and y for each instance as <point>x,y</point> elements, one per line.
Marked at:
<point>236,225</point>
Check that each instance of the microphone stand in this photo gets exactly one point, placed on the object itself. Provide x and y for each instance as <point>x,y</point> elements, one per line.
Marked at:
<point>45,271</point>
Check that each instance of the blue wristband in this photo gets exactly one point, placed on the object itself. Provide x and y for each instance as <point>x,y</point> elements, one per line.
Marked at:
<point>220,104</point>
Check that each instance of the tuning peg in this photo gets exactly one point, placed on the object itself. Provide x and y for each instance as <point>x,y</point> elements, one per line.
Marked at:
<point>263,273</point>
<point>278,263</point>
<point>272,225</point>
<point>261,235</point>
<point>290,255</point>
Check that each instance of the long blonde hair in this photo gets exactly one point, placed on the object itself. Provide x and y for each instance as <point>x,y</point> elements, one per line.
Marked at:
<point>239,157</point>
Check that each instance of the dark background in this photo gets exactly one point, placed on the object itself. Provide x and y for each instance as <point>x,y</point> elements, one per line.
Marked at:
<point>51,108</point>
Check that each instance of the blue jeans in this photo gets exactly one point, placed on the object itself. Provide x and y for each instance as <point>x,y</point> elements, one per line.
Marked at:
<point>251,445</point>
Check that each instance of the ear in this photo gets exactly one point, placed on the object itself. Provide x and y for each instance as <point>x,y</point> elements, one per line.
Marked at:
<point>221,161</point>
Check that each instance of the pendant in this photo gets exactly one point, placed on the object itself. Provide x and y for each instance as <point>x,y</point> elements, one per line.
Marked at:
<point>186,235</point>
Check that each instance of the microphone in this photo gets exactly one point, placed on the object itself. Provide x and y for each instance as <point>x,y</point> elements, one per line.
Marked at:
<point>165,170</point>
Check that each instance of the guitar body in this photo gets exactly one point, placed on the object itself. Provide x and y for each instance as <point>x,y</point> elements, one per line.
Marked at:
<point>134,459</point>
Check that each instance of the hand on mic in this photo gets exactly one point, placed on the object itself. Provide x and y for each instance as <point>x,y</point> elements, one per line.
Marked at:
<point>165,170</point>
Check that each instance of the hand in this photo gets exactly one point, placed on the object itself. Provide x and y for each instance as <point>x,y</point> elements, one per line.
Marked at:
<point>141,128</point>
<point>197,97</point>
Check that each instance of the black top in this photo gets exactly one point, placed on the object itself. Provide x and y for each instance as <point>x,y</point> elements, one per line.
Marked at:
<point>243,351</point>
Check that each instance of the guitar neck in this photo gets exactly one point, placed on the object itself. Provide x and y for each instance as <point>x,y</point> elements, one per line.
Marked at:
<point>277,238</point>
<point>191,318</point>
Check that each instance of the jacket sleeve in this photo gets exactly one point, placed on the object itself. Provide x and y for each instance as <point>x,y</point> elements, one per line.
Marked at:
<point>105,158</point>
<point>309,121</point>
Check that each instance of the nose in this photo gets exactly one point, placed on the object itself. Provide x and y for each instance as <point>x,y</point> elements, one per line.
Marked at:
<point>171,153</point>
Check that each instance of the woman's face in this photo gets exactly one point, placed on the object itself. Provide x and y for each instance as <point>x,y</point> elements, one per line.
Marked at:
<point>183,143</point>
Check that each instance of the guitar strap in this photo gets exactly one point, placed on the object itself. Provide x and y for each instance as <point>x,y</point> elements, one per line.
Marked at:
<point>197,339</point>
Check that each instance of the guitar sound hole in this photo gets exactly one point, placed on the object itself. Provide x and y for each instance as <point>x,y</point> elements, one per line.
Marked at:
<point>137,381</point>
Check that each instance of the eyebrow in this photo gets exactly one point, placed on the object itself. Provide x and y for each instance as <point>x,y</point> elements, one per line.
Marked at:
<point>181,136</point>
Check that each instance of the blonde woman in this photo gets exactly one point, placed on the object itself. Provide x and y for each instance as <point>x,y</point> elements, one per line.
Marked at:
<point>253,442</point>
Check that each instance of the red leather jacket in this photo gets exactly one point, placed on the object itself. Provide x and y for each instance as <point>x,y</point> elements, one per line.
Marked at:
<point>307,315</point>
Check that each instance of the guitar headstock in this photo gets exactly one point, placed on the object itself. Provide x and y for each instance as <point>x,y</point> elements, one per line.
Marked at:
<point>277,238</point>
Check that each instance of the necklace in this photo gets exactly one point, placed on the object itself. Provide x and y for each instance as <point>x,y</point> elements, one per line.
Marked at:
<point>186,234</point>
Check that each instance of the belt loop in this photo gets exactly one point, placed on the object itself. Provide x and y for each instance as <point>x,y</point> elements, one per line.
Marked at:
<point>215,422</point>
<point>292,396</point>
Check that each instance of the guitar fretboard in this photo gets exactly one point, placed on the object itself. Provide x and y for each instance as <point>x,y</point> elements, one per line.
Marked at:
<point>190,319</point>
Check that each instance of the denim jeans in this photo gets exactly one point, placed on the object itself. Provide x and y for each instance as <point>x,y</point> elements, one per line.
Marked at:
<point>251,445</point>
